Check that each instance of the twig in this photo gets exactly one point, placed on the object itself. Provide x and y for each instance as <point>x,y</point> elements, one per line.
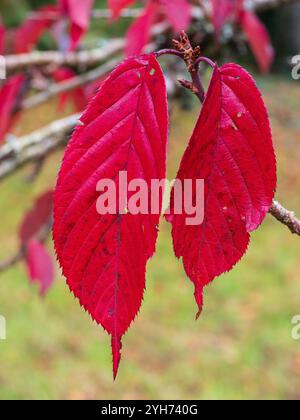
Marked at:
<point>20,151</point>
<point>286,217</point>
<point>88,58</point>
<point>68,85</point>
<point>10,262</point>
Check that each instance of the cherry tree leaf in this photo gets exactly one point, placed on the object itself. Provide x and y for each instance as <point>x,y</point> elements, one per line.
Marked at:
<point>11,93</point>
<point>79,13</point>
<point>37,217</point>
<point>28,34</point>
<point>259,40</point>
<point>39,265</point>
<point>139,33</point>
<point>104,257</point>
<point>178,13</point>
<point>231,150</point>
<point>116,6</point>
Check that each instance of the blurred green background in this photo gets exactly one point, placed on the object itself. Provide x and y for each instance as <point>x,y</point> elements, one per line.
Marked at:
<point>240,348</point>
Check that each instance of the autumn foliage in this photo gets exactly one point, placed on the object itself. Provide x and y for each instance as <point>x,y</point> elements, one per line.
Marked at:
<point>124,127</point>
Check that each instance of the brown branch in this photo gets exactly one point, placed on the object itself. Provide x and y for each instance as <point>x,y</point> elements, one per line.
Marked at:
<point>88,58</point>
<point>286,217</point>
<point>30,148</point>
<point>68,85</point>
<point>115,46</point>
<point>10,262</point>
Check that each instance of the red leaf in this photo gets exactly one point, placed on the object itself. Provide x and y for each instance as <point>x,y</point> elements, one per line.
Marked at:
<point>231,149</point>
<point>116,6</point>
<point>28,34</point>
<point>79,13</point>
<point>221,11</point>
<point>104,257</point>
<point>39,265</point>
<point>77,95</point>
<point>10,96</point>
<point>37,217</point>
<point>139,32</point>
<point>178,13</point>
<point>259,40</point>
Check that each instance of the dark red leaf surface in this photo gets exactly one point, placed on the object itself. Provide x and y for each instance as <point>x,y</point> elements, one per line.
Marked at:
<point>116,6</point>
<point>10,95</point>
<point>39,265</point>
<point>259,40</point>
<point>104,257</point>
<point>139,33</point>
<point>28,34</point>
<point>37,217</point>
<point>79,13</point>
<point>231,149</point>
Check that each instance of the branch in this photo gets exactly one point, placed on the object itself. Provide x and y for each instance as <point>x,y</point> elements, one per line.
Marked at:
<point>68,85</point>
<point>30,148</point>
<point>88,58</point>
<point>285,217</point>
<point>10,262</point>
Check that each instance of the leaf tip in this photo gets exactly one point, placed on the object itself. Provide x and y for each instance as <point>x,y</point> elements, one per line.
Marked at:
<point>199,300</point>
<point>116,347</point>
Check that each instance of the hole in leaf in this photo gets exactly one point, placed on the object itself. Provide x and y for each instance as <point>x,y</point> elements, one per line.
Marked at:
<point>152,72</point>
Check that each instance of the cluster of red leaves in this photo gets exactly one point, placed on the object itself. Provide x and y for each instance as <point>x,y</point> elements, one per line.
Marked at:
<point>125,127</point>
<point>254,29</point>
<point>178,14</point>
<point>38,261</point>
<point>25,39</point>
